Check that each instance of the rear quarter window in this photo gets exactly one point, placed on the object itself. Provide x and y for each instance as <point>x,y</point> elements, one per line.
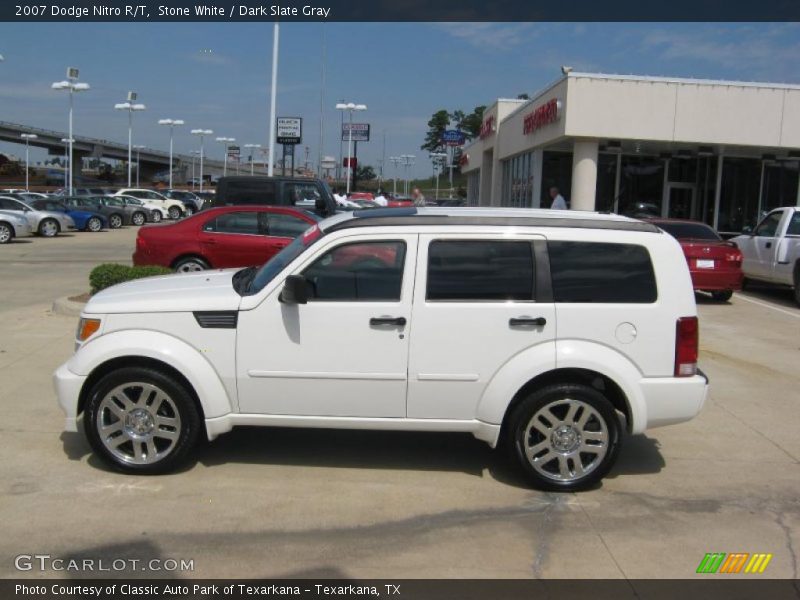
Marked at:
<point>596,272</point>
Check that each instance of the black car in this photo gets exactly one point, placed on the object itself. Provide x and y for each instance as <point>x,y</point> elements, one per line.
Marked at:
<point>305,193</point>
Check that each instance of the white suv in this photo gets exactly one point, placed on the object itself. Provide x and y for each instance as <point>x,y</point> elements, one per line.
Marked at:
<point>174,208</point>
<point>548,330</point>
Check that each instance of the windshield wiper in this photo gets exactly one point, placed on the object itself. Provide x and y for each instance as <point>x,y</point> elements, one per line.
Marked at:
<point>242,280</point>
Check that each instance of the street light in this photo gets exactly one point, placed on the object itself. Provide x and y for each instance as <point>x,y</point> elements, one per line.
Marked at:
<point>408,161</point>
<point>252,147</point>
<point>225,141</point>
<point>130,106</point>
<point>194,153</point>
<point>350,107</point>
<point>70,84</point>
<point>27,137</point>
<point>172,124</point>
<point>66,142</point>
<point>438,158</point>
<point>138,169</point>
<point>202,133</point>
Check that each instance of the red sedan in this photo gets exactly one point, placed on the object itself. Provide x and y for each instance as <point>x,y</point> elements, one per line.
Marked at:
<point>715,265</point>
<point>220,238</point>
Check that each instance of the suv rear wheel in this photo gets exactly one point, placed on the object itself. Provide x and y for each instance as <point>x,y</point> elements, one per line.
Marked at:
<point>174,212</point>
<point>566,437</point>
<point>140,420</point>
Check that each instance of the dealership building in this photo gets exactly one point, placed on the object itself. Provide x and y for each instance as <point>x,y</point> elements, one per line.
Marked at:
<point>722,152</point>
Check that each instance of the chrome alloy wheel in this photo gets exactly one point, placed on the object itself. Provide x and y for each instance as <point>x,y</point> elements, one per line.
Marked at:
<point>94,224</point>
<point>566,440</point>
<point>5,233</point>
<point>138,423</point>
<point>48,228</point>
<point>190,266</point>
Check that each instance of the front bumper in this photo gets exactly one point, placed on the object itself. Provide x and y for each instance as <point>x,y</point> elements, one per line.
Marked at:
<point>68,387</point>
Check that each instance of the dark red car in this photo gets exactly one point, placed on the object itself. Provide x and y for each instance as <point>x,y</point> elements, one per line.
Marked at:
<point>715,265</point>
<point>220,238</point>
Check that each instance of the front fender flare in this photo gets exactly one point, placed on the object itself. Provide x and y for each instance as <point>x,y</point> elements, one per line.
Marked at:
<point>162,347</point>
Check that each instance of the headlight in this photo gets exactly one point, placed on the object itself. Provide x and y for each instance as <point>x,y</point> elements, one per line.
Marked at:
<point>87,328</point>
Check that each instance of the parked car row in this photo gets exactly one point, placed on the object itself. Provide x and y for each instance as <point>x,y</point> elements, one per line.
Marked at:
<point>25,213</point>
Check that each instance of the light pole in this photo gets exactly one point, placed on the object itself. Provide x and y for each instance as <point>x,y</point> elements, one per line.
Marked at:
<point>194,153</point>
<point>137,148</point>
<point>395,160</point>
<point>437,158</point>
<point>70,84</point>
<point>351,108</point>
<point>408,161</point>
<point>202,133</point>
<point>272,97</point>
<point>27,137</point>
<point>66,142</point>
<point>172,124</point>
<point>225,141</point>
<point>130,106</point>
<point>252,147</point>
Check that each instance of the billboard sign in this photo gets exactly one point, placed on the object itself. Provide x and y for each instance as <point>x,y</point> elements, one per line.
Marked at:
<point>289,130</point>
<point>453,137</point>
<point>360,132</point>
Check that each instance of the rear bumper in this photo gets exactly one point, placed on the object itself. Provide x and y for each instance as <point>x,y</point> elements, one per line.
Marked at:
<point>671,400</point>
<point>68,387</point>
<point>712,280</point>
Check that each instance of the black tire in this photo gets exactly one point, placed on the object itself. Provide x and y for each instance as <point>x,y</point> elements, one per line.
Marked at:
<point>115,221</point>
<point>6,233</point>
<point>49,228</point>
<point>189,264</point>
<point>722,295</point>
<point>188,419</point>
<point>156,216</point>
<point>138,218</point>
<point>174,213</point>
<point>601,419</point>
<point>94,224</point>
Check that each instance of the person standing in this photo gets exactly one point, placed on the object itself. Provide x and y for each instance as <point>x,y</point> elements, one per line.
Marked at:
<point>558,200</point>
<point>419,199</point>
<point>380,199</point>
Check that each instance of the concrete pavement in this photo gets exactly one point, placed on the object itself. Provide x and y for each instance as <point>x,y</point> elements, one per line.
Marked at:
<point>275,503</point>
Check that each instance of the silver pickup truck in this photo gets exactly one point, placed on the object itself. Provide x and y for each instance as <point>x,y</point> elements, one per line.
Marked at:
<point>771,251</point>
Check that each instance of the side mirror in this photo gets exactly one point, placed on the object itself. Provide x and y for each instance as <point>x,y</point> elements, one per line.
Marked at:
<point>294,290</point>
<point>321,207</point>
<point>747,230</point>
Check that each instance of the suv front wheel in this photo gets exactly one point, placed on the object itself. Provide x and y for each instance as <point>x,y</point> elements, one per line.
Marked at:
<point>566,437</point>
<point>140,420</point>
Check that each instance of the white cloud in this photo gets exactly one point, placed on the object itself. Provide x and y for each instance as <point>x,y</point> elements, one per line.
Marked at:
<point>495,36</point>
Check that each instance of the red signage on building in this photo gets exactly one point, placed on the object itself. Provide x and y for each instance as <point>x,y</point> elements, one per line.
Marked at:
<point>547,113</point>
<point>487,127</point>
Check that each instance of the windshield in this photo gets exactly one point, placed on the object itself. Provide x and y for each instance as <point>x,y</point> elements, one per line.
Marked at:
<point>278,262</point>
<point>180,195</point>
<point>689,231</point>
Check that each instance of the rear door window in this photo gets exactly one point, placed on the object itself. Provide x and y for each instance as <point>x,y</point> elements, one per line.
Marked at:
<point>480,270</point>
<point>289,226</point>
<point>242,223</point>
<point>601,272</point>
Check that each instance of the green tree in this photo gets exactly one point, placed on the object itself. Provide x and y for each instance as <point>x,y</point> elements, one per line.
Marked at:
<point>365,173</point>
<point>436,127</point>
<point>471,124</point>
<point>523,96</point>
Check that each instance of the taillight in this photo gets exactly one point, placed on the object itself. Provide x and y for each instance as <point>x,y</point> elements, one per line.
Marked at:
<point>686,346</point>
<point>733,256</point>
<point>141,245</point>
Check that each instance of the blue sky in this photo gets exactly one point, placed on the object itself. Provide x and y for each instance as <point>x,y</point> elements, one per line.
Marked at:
<point>217,75</point>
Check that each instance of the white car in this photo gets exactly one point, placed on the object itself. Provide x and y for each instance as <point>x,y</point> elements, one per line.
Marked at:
<point>44,222</point>
<point>12,226</point>
<point>771,251</point>
<point>174,208</point>
<point>551,331</point>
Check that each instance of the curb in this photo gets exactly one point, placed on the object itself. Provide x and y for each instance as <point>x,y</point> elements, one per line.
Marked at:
<point>65,306</point>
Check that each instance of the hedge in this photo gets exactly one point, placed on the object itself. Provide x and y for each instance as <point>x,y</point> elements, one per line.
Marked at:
<point>106,275</point>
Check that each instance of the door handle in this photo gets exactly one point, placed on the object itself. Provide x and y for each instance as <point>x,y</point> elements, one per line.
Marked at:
<point>768,245</point>
<point>209,241</point>
<point>401,321</point>
<point>527,322</point>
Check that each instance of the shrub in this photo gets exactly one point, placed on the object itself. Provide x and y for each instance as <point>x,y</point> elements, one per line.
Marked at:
<point>106,275</point>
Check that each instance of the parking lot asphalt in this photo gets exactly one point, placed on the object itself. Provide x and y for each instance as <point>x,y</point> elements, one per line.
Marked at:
<point>314,503</point>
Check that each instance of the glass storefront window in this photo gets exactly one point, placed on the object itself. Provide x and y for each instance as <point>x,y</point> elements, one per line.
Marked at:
<point>517,181</point>
<point>556,172</point>
<point>738,204</point>
<point>606,175</point>
<point>641,185</point>
<point>780,185</point>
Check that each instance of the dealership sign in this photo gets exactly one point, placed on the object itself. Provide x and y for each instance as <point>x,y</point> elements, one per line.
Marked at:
<point>454,137</point>
<point>289,130</point>
<point>487,127</point>
<point>360,132</point>
<point>547,113</point>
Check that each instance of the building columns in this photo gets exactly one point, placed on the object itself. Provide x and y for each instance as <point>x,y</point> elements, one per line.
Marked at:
<point>584,174</point>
